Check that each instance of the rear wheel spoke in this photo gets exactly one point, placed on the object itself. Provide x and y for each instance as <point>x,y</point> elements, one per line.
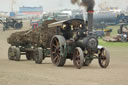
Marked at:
<point>54,45</point>
<point>55,59</point>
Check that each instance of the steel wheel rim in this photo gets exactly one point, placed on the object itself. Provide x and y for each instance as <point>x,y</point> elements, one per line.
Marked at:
<point>103,58</point>
<point>55,51</point>
<point>77,57</point>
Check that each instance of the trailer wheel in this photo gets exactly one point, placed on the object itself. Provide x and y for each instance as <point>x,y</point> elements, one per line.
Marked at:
<point>17,54</point>
<point>57,50</point>
<point>29,56</point>
<point>11,53</point>
<point>104,58</point>
<point>38,55</point>
<point>78,57</point>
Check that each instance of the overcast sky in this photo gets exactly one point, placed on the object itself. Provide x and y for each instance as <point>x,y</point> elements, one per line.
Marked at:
<point>5,5</point>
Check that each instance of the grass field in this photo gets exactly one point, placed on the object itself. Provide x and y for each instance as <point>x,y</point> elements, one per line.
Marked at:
<point>114,29</point>
<point>113,44</point>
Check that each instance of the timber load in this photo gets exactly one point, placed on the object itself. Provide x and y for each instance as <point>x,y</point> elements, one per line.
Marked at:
<point>40,36</point>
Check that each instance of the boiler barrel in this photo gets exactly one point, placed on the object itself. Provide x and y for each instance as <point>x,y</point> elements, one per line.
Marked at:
<point>105,18</point>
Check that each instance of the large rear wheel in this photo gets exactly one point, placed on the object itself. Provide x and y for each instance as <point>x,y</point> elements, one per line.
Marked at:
<point>57,50</point>
<point>78,57</point>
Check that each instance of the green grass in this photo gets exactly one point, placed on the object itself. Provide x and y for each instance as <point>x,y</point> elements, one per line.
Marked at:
<point>113,44</point>
<point>114,29</point>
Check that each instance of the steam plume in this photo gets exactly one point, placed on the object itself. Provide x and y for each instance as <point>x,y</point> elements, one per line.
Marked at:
<point>89,4</point>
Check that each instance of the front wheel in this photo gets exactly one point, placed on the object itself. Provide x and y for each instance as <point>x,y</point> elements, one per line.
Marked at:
<point>78,58</point>
<point>104,58</point>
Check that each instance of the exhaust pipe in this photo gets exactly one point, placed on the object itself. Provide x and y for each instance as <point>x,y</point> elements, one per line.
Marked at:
<point>89,4</point>
<point>90,21</point>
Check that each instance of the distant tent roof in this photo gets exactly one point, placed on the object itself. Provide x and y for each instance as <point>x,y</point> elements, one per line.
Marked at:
<point>31,9</point>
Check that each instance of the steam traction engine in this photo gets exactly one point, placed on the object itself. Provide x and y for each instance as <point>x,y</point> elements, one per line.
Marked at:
<point>76,41</point>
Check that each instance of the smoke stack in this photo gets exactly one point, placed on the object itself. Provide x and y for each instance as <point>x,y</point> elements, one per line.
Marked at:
<point>89,5</point>
<point>90,21</point>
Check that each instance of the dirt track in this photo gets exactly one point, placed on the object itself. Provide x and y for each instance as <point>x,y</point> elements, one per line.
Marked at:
<point>29,73</point>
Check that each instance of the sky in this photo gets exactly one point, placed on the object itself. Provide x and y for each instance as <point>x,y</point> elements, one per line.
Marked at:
<point>5,5</point>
